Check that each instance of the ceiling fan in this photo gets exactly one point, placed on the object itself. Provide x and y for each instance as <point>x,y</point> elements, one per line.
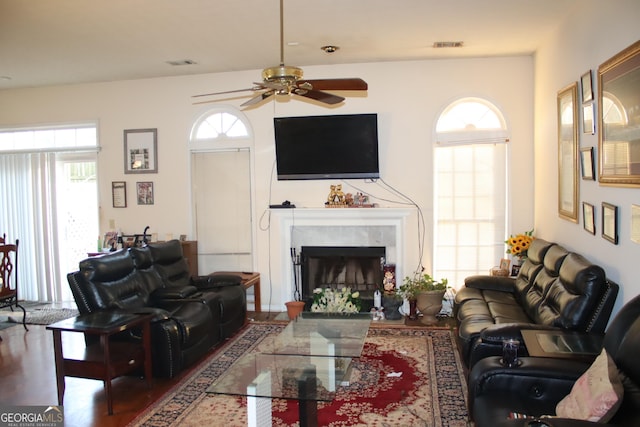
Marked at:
<point>287,80</point>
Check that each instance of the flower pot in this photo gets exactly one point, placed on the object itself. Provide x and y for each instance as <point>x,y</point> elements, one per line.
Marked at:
<point>391,306</point>
<point>294,308</point>
<point>429,303</point>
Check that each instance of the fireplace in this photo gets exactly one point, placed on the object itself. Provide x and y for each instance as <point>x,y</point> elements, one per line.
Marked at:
<point>356,267</point>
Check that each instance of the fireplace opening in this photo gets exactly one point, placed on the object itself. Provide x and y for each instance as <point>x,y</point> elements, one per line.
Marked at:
<point>357,267</point>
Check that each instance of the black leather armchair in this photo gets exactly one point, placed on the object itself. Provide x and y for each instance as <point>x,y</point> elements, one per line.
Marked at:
<point>535,387</point>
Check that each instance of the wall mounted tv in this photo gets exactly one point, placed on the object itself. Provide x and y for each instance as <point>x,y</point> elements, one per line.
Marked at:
<point>327,147</point>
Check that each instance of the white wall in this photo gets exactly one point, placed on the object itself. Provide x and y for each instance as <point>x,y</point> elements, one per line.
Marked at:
<point>595,32</point>
<point>408,96</point>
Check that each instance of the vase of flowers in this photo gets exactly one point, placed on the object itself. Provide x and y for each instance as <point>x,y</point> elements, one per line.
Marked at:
<point>518,245</point>
<point>328,300</point>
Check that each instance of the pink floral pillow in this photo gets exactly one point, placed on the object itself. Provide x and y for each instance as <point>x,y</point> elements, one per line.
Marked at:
<point>596,395</point>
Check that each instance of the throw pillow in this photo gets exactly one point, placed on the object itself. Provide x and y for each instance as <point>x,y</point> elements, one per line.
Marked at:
<point>596,395</point>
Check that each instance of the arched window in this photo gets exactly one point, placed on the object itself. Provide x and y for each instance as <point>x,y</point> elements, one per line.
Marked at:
<point>470,192</point>
<point>218,125</point>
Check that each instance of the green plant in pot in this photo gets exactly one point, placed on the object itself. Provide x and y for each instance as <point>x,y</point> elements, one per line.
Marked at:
<point>428,294</point>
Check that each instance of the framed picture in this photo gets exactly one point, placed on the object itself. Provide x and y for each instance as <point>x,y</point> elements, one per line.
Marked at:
<point>586,164</point>
<point>635,223</point>
<point>144,193</point>
<point>589,217</point>
<point>505,263</point>
<point>110,242</point>
<point>141,151</point>
<point>568,153</point>
<point>587,87</point>
<point>119,194</point>
<point>610,222</point>
<point>618,118</point>
<point>588,118</point>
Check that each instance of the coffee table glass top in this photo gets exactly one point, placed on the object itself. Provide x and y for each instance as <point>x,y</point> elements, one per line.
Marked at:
<point>324,334</point>
<point>283,376</point>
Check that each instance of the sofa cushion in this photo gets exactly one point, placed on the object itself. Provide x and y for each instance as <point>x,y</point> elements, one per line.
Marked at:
<point>596,395</point>
<point>531,266</point>
<point>170,263</point>
<point>572,299</point>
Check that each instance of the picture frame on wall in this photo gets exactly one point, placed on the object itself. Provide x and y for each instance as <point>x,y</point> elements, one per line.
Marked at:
<point>587,166</point>
<point>588,118</point>
<point>568,152</point>
<point>618,144</point>
<point>144,193</point>
<point>610,222</point>
<point>586,84</point>
<point>119,194</point>
<point>589,217</point>
<point>141,151</point>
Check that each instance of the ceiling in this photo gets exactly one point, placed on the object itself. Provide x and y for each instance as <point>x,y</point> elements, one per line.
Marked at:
<point>46,42</point>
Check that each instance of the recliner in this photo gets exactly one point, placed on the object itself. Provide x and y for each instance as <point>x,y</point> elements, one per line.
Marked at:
<point>554,289</point>
<point>535,387</point>
<point>187,322</point>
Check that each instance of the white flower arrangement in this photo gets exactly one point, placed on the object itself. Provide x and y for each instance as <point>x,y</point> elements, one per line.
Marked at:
<point>336,301</point>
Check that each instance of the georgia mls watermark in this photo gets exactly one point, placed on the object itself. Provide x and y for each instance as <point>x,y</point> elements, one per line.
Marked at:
<point>31,416</point>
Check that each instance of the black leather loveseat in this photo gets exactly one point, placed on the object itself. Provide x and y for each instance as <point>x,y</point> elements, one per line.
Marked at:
<point>555,288</point>
<point>191,314</point>
<point>536,386</point>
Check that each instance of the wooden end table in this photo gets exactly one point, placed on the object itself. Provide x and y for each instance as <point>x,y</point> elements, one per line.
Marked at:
<point>247,280</point>
<point>104,360</point>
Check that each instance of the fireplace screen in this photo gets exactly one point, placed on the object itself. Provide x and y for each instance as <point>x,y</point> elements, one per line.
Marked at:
<point>359,268</point>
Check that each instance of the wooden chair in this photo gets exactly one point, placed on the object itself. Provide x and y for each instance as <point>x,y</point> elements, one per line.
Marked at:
<point>9,278</point>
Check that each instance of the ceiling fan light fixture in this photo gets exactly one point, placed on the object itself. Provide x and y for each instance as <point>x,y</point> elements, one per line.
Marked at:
<point>282,73</point>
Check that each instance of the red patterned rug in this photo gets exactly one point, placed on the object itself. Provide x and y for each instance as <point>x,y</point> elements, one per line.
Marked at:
<point>430,390</point>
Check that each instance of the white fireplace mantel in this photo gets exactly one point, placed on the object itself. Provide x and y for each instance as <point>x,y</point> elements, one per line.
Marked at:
<point>338,226</point>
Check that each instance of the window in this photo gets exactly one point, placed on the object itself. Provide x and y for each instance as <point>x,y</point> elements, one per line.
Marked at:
<point>48,200</point>
<point>470,189</point>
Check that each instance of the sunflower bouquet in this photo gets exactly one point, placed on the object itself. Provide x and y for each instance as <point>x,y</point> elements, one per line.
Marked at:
<point>519,244</point>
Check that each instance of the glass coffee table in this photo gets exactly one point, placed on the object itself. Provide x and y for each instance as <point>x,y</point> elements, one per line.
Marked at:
<point>306,362</point>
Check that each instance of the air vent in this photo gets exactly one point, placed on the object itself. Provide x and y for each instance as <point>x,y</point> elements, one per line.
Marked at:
<point>182,62</point>
<point>444,45</point>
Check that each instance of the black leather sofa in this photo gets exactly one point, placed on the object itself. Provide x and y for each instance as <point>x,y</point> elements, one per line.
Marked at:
<point>536,386</point>
<point>191,314</point>
<point>555,288</point>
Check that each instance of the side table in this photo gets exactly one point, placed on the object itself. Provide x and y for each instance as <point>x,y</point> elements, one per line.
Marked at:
<point>104,360</point>
<point>562,344</point>
<point>247,280</point>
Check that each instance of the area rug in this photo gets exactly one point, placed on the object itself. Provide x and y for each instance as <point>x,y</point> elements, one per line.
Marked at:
<point>39,316</point>
<point>405,377</point>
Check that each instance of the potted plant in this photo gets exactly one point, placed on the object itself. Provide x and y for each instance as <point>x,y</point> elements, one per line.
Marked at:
<point>428,294</point>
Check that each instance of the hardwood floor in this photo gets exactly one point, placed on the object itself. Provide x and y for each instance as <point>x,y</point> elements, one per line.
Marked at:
<point>27,373</point>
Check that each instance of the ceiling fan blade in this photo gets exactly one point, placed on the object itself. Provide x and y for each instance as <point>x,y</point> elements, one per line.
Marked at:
<point>258,99</point>
<point>317,95</point>
<point>252,89</point>
<point>335,84</point>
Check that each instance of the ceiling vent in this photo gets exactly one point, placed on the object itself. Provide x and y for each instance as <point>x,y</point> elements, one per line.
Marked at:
<point>444,45</point>
<point>182,62</point>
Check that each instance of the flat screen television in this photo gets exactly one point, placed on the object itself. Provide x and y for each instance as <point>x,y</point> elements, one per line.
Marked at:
<point>327,147</point>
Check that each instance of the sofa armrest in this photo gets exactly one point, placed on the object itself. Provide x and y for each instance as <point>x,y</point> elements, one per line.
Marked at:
<point>217,281</point>
<point>495,334</point>
<point>495,283</point>
<point>539,378</point>
<point>174,293</point>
